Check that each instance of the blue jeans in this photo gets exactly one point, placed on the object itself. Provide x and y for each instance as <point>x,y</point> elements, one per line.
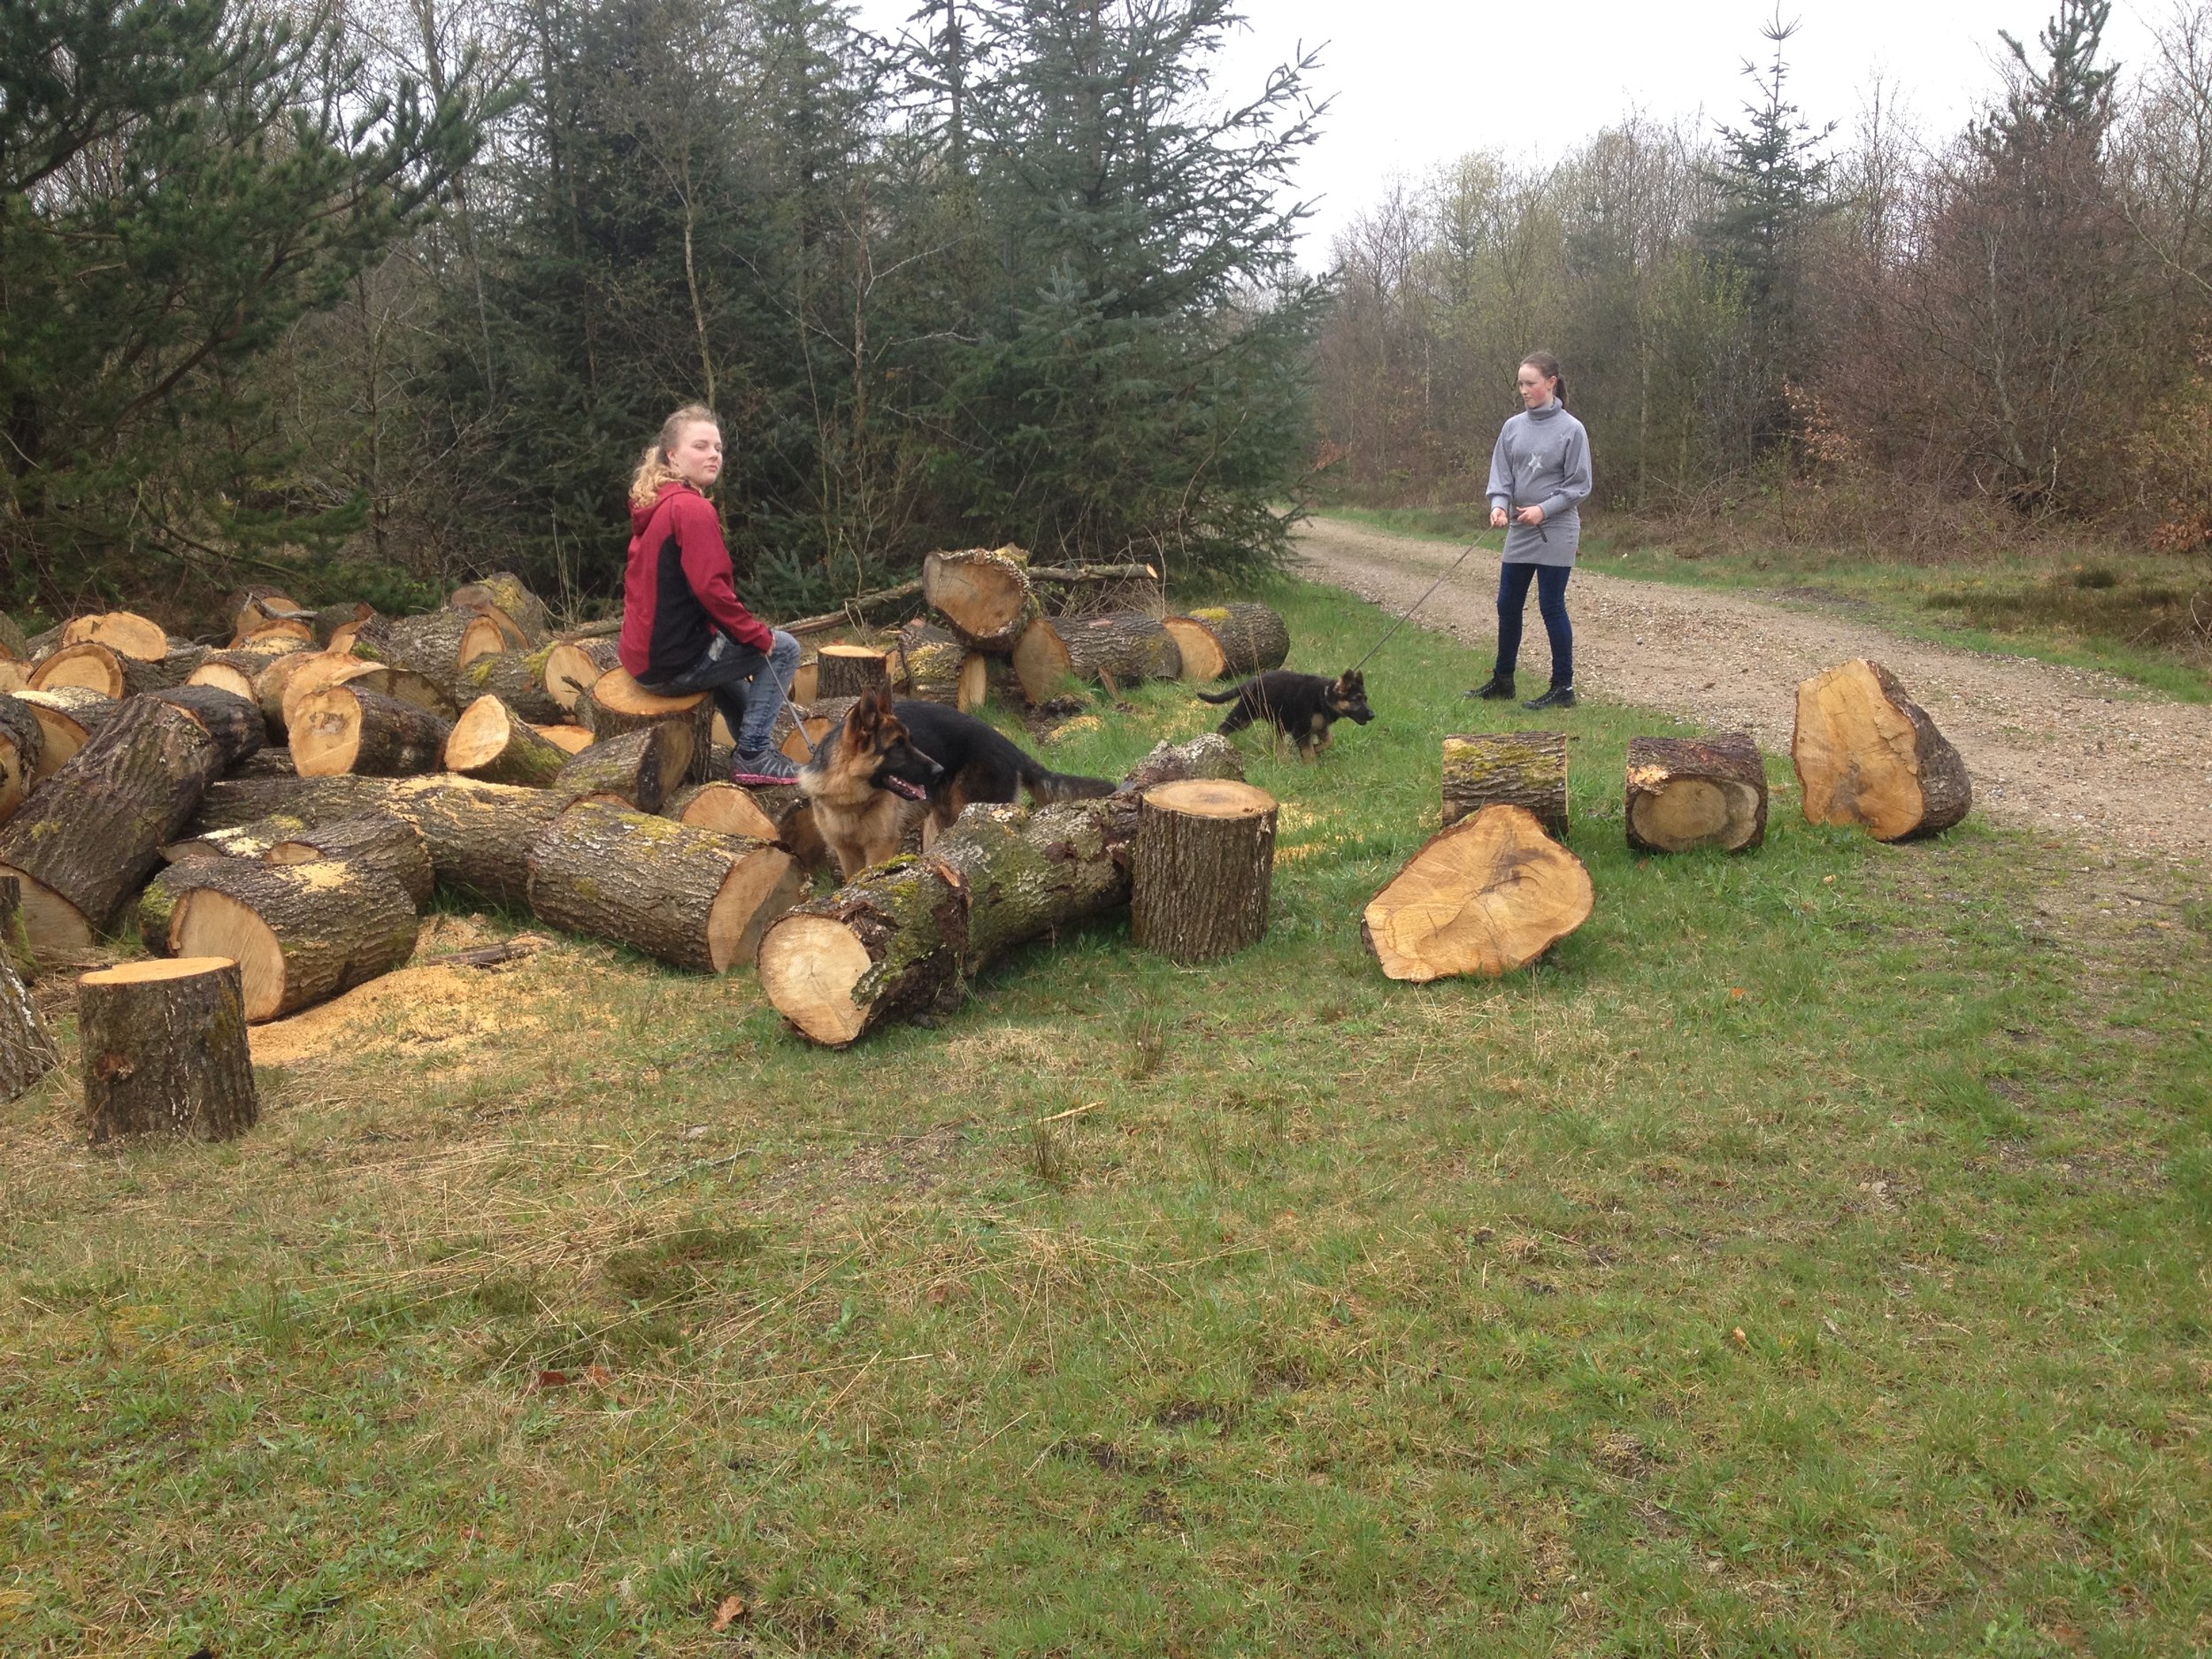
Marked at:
<point>733,673</point>
<point>1551,601</point>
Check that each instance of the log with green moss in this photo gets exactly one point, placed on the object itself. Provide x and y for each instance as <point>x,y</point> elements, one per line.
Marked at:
<point>1523,769</point>
<point>517,679</point>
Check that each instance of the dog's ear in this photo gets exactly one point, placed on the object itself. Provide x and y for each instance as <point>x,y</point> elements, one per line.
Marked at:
<point>872,711</point>
<point>1353,683</point>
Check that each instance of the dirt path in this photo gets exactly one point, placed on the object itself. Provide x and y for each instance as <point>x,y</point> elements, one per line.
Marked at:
<point>2048,747</point>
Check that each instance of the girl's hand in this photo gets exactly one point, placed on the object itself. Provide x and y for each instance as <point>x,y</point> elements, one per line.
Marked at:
<point>1531,516</point>
<point>1497,518</point>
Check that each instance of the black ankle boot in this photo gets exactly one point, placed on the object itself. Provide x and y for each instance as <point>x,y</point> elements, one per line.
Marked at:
<point>1498,689</point>
<point>1557,698</point>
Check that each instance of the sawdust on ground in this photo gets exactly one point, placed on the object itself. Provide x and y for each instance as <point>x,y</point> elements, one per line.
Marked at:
<point>2048,747</point>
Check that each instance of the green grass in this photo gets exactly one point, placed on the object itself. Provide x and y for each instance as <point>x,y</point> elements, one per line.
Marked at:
<point>1806,1258</point>
<point>2145,617</point>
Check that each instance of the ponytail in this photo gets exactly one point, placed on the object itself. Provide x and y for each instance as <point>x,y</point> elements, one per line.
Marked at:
<point>1547,366</point>
<point>653,468</point>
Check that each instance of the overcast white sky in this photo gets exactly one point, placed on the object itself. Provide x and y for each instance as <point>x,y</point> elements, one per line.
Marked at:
<point>1418,82</point>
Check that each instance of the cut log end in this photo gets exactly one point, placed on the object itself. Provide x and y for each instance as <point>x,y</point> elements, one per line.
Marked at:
<point>809,968</point>
<point>1489,894</point>
<point>1867,755</point>
<point>165,1049</point>
<point>1204,660</point>
<point>1688,794</point>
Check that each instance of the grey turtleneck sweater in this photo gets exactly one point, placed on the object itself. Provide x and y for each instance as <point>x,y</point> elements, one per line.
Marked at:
<point>1543,459</point>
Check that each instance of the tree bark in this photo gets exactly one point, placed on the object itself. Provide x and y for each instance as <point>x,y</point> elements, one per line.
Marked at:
<point>385,843</point>
<point>850,670</point>
<point>22,742</point>
<point>326,672</point>
<point>344,728</point>
<point>639,768</point>
<point>928,664</point>
<point>573,666</point>
<point>437,644</point>
<point>26,1050</point>
<point>981,595</point>
<point>88,837</point>
<point>15,647</point>
<point>1205,860</point>
<point>239,670</point>
<point>67,717</point>
<point>1866,754</point>
<point>1488,894</point>
<point>1254,638</point>
<point>1684,793</point>
<point>300,933</point>
<point>101,668</point>
<point>1121,650</point>
<point>504,591</point>
<point>493,741</point>
<point>1523,769</point>
<point>689,897</point>
<point>886,945</point>
<point>166,1050</point>
<point>517,679</point>
<point>232,721</point>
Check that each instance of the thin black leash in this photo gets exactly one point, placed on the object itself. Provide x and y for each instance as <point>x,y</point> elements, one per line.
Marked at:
<point>1415,606</point>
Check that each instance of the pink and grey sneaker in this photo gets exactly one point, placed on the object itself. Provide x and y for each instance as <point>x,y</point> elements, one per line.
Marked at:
<point>763,771</point>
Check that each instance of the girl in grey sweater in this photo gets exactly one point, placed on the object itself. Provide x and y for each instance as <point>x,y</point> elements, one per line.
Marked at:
<point>1539,472</point>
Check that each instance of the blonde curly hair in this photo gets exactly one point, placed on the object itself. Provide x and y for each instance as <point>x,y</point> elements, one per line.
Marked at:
<point>653,468</point>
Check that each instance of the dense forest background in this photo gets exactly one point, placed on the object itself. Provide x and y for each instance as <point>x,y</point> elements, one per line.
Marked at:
<point>373,295</point>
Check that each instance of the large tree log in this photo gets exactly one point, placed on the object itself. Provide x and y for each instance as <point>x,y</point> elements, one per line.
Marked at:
<point>27,1051</point>
<point>928,664</point>
<point>101,668</point>
<point>93,830</point>
<point>326,671</point>
<point>1043,668</point>
<point>165,1049</point>
<point>504,591</point>
<point>1867,754</point>
<point>125,633</point>
<point>850,670</point>
<point>158,899</point>
<point>245,840</point>
<point>615,704</point>
<point>981,594</point>
<point>1488,894</point>
<point>1205,860</point>
<point>1122,649</point>
<point>67,718</point>
<point>239,670</point>
<point>637,768</point>
<point>1689,792</point>
<point>1254,638</point>
<point>1523,769</point>
<point>492,742</point>
<point>724,808</point>
<point>232,721</point>
<point>393,847</point>
<point>517,679</point>
<point>15,646</point>
<point>300,933</point>
<point>690,897</point>
<point>901,938</point>
<point>573,666</point>
<point>22,743</point>
<point>437,644</point>
<point>344,728</point>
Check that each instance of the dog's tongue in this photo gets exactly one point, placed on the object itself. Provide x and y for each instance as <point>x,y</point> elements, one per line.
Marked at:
<point>912,792</point>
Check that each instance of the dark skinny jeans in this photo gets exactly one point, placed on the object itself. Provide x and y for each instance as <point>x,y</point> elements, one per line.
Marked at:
<point>1551,601</point>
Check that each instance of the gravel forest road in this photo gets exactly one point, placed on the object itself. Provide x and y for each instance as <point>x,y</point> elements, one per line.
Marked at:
<point>2048,747</point>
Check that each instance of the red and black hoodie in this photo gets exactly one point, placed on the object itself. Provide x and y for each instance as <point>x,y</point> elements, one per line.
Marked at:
<point>679,590</point>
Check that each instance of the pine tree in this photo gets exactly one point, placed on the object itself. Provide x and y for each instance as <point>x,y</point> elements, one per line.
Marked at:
<point>1773,184</point>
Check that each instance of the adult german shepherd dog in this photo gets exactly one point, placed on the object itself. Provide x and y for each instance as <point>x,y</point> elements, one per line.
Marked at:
<point>890,760</point>
<point>1301,707</point>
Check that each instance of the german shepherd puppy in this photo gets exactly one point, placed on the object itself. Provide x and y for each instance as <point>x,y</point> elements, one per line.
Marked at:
<point>893,760</point>
<point>1301,707</point>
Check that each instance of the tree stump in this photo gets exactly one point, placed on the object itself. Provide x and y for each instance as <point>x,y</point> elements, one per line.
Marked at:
<point>982,595</point>
<point>1121,650</point>
<point>1042,667</point>
<point>492,742</point>
<point>300,933</point>
<point>27,1051</point>
<point>573,666</point>
<point>1689,792</point>
<point>1488,894</point>
<point>165,1049</point>
<point>93,830</point>
<point>517,679</point>
<point>1523,769</point>
<point>67,718</point>
<point>392,847</point>
<point>887,945</point>
<point>1868,754</point>
<point>344,728</point>
<point>929,663</point>
<point>637,768</point>
<point>1205,858</point>
<point>850,670</point>
<point>722,807</point>
<point>690,897</point>
<point>22,742</point>
<point>1253,638</point>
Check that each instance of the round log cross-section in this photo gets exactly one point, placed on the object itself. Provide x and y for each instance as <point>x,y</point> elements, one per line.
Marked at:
<point>573,666</point>
<point>982,595</point>
<point>166,1050</point>
<point>1685,793</point>
<point>300,933</point>
<point>492,742</point>
<point>346,729</point>
<point>1866,754</point>
<point>1487,895</point>
<point>1204,860</point>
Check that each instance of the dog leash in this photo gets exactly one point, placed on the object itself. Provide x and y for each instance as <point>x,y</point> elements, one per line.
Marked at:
<point>1415,606</point>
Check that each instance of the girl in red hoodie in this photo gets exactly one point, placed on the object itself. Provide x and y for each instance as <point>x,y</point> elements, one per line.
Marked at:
<point>684,629</point>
